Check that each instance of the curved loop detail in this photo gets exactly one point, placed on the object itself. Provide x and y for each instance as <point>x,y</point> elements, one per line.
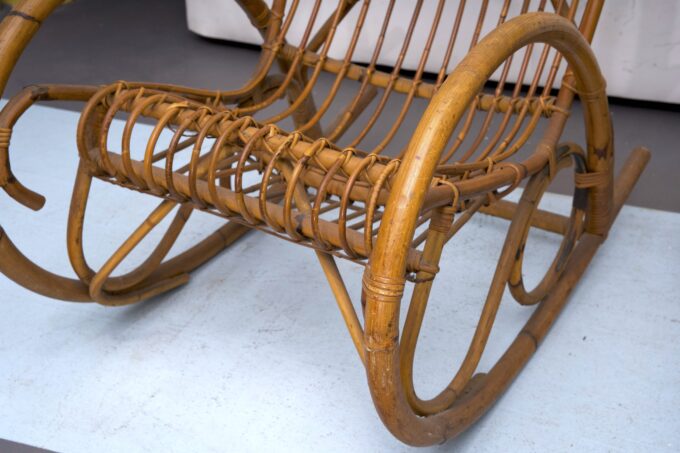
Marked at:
<point>527,206</point>
<point>408,195</point>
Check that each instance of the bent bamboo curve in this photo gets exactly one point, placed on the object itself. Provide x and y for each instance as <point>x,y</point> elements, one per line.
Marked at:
<point>384,279</point>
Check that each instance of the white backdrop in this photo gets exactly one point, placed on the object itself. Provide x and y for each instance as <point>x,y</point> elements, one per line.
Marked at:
<point>637,43</point>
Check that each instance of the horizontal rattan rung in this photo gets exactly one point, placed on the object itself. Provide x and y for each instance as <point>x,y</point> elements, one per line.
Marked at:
<point>544,220</point>
<point>404,85</point>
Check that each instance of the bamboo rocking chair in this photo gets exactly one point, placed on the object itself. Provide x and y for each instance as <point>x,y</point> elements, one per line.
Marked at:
<point>319,182</point>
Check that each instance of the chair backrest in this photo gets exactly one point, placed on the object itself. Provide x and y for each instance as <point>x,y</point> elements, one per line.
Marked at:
<point>389,46</point>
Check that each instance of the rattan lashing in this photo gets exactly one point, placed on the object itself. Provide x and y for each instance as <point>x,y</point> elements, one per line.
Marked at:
<point>390,206</point>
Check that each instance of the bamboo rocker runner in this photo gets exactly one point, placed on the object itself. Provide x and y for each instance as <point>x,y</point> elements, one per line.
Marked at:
<point>269,156</point>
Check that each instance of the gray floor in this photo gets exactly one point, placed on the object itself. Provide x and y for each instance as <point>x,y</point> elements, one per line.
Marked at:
<point>7,446</point>
<point>99,41</point>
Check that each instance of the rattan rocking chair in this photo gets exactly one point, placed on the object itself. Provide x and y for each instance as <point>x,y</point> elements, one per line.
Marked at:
<point>389,206</point>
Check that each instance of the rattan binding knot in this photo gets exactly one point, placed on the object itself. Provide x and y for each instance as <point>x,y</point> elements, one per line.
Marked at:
<point>384,289</point>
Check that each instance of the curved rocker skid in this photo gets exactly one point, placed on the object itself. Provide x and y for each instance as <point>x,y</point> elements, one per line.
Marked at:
<point>451,412</point>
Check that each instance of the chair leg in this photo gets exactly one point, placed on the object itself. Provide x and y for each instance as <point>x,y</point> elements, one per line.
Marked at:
<point>344,301</point>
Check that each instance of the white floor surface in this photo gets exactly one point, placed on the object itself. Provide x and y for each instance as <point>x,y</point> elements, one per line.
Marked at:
<point>252,355</point>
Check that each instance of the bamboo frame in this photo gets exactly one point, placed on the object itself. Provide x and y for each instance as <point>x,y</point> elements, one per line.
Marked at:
<point>352,201</point>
